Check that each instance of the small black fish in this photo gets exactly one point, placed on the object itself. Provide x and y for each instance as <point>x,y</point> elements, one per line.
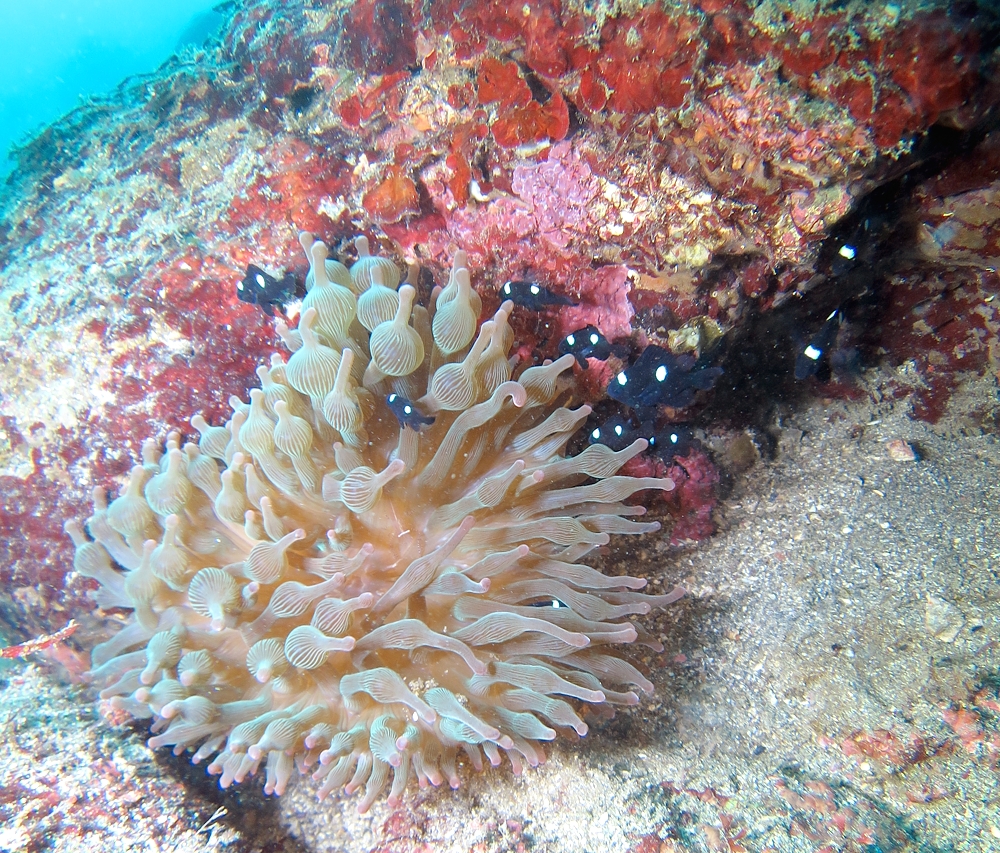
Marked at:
<point>659,377</point>
<point>532,296</point>
<point>673,440</point>
<point>553,603</point>
<point>259,288</point>
<point>588,342</point>
<point>810,359</point>
<point>617,432</point>
<point>406,413</point>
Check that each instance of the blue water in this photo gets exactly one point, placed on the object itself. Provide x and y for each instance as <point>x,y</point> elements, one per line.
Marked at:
<point>53,52</point>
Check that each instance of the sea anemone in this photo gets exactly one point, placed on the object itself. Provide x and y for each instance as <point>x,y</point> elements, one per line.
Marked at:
<point>315,584</point>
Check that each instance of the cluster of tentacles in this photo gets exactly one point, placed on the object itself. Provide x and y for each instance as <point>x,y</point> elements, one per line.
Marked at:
<point>315,584</point>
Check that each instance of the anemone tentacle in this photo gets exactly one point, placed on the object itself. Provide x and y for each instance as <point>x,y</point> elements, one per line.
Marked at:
<point>314,582</point>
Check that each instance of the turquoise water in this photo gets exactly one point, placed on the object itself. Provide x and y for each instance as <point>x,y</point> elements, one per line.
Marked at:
<point>53,53</point>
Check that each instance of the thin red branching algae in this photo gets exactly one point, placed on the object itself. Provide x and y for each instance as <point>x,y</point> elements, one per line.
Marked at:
<point>40,643</point>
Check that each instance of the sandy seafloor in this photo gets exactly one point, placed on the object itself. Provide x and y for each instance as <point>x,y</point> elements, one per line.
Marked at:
<point>850,603</point>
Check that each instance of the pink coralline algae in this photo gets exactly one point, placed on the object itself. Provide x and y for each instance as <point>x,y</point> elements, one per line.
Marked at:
<point>558,198</point>
<point>565,177</point>
<point>608,305</point>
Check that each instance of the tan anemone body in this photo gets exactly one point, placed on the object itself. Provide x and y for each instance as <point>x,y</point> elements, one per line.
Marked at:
<point>374,603</point>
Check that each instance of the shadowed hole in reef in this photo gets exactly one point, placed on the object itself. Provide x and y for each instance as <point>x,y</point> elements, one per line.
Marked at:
<point>244,809</point>
<point>301,99</point>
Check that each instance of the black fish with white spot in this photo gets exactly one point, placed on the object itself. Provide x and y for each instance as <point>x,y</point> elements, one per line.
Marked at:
<point>259,288</point>
<point>553,603</point>
<point>810,359</point>
<point>673,440</point>
<point>531,295</point>
<point>660,378</point>
<point>617,432</point>
<point>588,342</point>
<point>407,414</point>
